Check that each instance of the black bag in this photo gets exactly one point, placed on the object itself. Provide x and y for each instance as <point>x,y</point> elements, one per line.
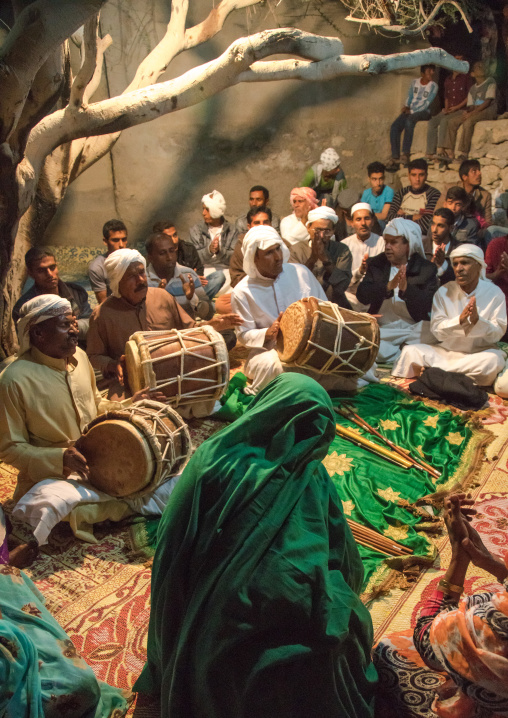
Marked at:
<point>449,387</point>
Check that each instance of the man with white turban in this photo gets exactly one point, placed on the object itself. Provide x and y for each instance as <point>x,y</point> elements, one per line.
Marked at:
<point>133,307</point>
<point>293,228</point>
<point>271,285</point>
<point>399,286</point>
<point>214,238</point>
<point>468,318</point>
<point>47,396</point>
<point>328,260</point>
<point>362,245</point>
<point>326,177</point>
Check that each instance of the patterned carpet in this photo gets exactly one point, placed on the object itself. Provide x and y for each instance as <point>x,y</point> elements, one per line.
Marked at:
<point>100,593</point>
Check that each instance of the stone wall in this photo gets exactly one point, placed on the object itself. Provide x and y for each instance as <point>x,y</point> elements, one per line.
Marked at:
<point>266,133</point>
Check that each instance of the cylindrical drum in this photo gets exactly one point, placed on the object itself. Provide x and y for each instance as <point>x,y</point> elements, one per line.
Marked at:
<point>327,339</point>
<point>133,451</point>
<point>187,366</point>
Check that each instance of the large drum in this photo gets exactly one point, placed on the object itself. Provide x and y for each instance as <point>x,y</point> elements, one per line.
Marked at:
<point>188,366</point>
<point>324,338</point>
<point>133,451</point>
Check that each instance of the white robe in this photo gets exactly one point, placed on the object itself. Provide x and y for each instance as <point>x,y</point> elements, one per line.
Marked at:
<point>292,230</point>
<point>372,246</point>
<point>259,303</point>
<point>469,350</point>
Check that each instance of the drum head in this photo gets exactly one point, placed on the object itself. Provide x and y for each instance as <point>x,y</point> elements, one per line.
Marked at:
<point>133,366</point>
<point>119,457</point>
<point>295,328</point>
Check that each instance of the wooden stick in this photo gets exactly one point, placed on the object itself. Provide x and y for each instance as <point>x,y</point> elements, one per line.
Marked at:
<point>395,458</point>
<point>374,539</point>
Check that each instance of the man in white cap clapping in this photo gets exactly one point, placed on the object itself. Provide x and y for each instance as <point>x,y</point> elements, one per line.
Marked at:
<point>362,245</point>
<point>468,318</point>
<point>326,177</point>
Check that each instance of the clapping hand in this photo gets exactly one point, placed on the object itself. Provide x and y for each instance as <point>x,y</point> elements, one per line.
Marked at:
<point>188,286</point>
<point>214,246</point>
<point>439,255</point>
<point>400,281</point>
<point>363,265</point>
<point>470,313</point>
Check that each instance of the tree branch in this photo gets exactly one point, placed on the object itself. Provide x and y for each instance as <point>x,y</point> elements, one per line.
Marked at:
<point>214,22</point>
<point>408,31</point>
<point>89,52</point>
<point>39,29</point>
<point>102,45</point>
<point>196,85</point>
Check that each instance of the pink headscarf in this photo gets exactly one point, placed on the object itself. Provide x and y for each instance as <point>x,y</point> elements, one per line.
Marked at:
<point>304,193</point>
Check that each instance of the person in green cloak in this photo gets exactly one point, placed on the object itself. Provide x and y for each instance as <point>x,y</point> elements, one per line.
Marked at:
<point>255,608</point>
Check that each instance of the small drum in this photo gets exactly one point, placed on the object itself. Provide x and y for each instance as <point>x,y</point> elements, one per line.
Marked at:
<point>326,339</point>
<point>133,451</point>
<point>187,366</point>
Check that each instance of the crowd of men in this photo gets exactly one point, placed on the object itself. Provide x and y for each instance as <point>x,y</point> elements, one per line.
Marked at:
<point>414,259</point>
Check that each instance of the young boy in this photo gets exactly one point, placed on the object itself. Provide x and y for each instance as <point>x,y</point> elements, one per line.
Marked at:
<point>481,105</point>
<point>379,196</point>
<point>417,108</point>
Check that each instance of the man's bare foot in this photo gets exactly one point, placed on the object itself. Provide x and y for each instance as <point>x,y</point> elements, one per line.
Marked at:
<point>24,555</point>
<point>418,370</point>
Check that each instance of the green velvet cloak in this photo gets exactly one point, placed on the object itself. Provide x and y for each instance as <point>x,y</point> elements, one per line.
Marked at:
<point>255,609</point>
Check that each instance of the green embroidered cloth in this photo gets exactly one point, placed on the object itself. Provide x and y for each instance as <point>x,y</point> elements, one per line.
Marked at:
<point>255,608</point>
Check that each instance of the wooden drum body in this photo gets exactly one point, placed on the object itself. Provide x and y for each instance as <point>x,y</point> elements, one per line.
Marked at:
<point>133,451</point>
<point>327,339</point>
<point>188,366</point>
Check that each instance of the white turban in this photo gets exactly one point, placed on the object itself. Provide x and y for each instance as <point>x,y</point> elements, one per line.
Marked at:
<point>322,213</point>
<point>408,229</point>
<point>260,237</point>
<point>472,251</point>
<point>215,204</point>
<point>37,310</point>
<point>117,264</point>
<point>329,159</point>
<point>361,205</point>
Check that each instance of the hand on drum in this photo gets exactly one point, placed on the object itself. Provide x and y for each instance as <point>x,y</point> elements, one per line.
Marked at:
<point>226,321</point>
<point>188,286</point>
<point>116,369</point>
<point>147,393</point>
<point>74,463</point>
<point>272,332</point>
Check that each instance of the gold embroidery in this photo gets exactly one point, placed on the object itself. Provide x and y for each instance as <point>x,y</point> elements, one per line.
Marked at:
<point>336,464</point>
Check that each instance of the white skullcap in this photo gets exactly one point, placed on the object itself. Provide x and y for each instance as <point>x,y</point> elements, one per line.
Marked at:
<point>37,310</point>
<point>472,251</point>
<point>329,159</point>
<point>408,229</point>
<point>361,205</point>
<point>215,204</point>
<point>322,213</point>
<point>117,264</point>
<point>260,237</point>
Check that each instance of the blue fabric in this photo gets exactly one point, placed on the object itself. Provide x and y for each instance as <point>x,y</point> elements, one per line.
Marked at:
<point>405,123</point>
<point>215,281</point>
<point>41,674</point>
<point>420,97</point>
<point>377,202</point>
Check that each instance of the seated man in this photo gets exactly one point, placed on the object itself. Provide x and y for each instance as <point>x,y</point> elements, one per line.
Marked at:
<point>481,105</point>
<point>422,92</point>
<point>468,318</point>
<point>293,228</point>
<point>47,396</point>
<point>181,282</point>
<point>256,216</point>
<point>326,178</point>
<point>465,229</point>
<point>42,268</point>
<point>362,245</point>
<point>214,238</point>
<point>479,206</point>
<point>442,244</point>
<point>114,236</point>
<point>270,286</point>
<point>399,285</point>
<point>259,196</point>
<point>188,256</point>
<point>328,260</point>
<point>418,200</point>
<point>134,307</point>
<point>379,196</point>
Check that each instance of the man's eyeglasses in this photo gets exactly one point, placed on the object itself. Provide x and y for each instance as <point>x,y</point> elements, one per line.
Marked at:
<point>324,232</point>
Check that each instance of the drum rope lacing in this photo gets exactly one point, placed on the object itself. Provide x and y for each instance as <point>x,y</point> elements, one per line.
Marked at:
<point>199,394</point>
<point>362,344</point>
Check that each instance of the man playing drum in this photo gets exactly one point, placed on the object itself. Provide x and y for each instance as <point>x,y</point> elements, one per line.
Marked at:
<point>47,396</point>
<point>260,299</point>
<point>134,307</point>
